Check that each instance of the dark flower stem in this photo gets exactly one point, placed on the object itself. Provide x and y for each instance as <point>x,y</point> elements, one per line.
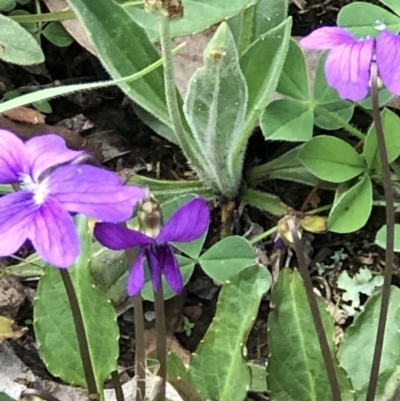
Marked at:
<point>390,220</point>
<point>81,334</point>
<point>319,327</point>
<point>161,341</point>
<point>140,357</point>
<point>119,394</point>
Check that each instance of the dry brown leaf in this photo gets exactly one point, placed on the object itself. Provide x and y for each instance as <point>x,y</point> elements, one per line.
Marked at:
<point>73,26</point>
<point>25,115</point>
<point>173,345</point>
<point>26,131</point>
<point>10,330</point>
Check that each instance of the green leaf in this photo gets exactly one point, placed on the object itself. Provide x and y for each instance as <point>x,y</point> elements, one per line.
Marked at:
<point>362,18</point>
<point>380,238</point>
<point>262,64</point>
<point>331,159</point>
<point>193,248</point>
<point>352,209</point>
<point>390,124</point>
<point>227,257</point>
<point>268,14</point>
<point>43,106</point>
<point>388,386</point>
<point>179,377</point>
<point>285,167</point>
<point>264,201</point>
<point>186,266</point>
<point>17,46</point>
<point>294,81</point>
<point>258,377</point>
<point>5,3</point>
<point>357,349</point>
<point>164,190</point>
<point>124,48</point>
<point>56,34</point>
<point>393,4</point>
<point>237,308</point>
<point>5,397</point>
<point>384,96</point>
<point>198,16</point>
<point>293,341</point>
<point>287,120</point>
<point>363,282</point>
<point>215,108</point>
<point>54,326</point>
<point>342,109</point>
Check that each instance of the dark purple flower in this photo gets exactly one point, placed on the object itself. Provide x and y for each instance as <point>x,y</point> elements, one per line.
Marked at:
<point>348,64</point>
<point>40,211</point>
<point>188,223</point>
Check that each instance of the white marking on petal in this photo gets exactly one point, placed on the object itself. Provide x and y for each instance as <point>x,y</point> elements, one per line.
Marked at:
<point>40,190</point>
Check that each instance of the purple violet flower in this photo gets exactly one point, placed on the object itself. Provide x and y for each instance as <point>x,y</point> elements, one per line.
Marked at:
<point>348,64</point>
<point>40,211</point>
<point>188,223</point>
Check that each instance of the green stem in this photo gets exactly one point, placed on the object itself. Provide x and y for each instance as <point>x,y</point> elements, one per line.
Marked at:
<point>58,15</point>
<point>170,91</point>
<point>161,342</point>
<point>246,29</point>
<point>263,235</point>
<point>119,394</point>
<point>335,118</point>
<point>81,335</point>
<point>390,223</point>
<point>319,327</point>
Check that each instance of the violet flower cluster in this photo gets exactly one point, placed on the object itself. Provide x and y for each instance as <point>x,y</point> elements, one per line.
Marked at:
<point>51,184</point>
<point>348,64</point>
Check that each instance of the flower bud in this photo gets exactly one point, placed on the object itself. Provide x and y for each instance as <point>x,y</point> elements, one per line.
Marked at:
<point>171,8</point>
<point>150,217</point>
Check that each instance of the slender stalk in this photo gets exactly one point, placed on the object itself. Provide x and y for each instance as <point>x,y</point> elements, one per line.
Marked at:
<point>323,342</point>
<point>81,334</point>
<point>263,235</point>
<point>337,119</point>
<point>390,221</point>
<point>140,356</point>
<point>117,386</point>
<point>170,90</point>
<point>161,341</point>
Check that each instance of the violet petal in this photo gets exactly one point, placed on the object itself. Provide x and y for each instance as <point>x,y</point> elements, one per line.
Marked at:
<point>188,223</point>
<point>16,214</point>
<point>93,191</point>
<point>326,38</point>
<point>46,151</point>
<point>154,257</point>
<point>53,234</point>
<point>13,158</point>
<point>387,58</point>
<point>347,69</point>
<point>117,237</point>
<point>136,275</point>
<point>171,271</point>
